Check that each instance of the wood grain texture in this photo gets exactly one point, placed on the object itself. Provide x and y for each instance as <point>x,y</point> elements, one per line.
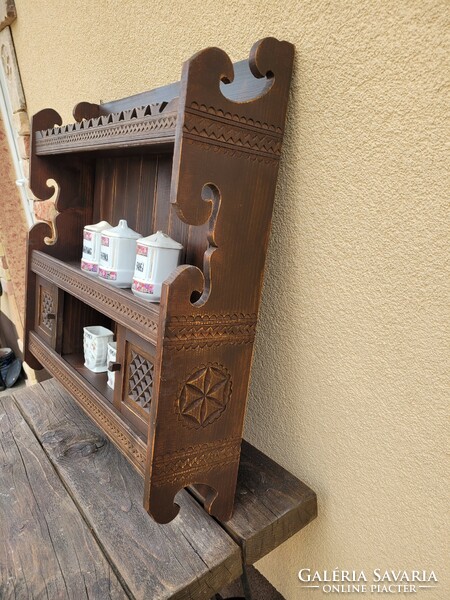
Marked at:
<point>150,125</point>
<point>271,505</point>
<point>191,558</point>
<point>225,166</point>
<point>46,550</point>
<point>118,304</point>
<point>213,191</point>
<point>93,402</point>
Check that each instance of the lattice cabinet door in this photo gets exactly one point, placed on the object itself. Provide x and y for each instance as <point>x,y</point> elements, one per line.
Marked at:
<point>49,307</point>
<point>134,379</point>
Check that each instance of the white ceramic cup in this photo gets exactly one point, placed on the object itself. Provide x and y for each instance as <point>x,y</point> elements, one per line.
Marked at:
<point>95,345</point>
<point>111,357</point>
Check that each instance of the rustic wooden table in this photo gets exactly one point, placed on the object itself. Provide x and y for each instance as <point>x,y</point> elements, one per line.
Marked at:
<point>72,523</point>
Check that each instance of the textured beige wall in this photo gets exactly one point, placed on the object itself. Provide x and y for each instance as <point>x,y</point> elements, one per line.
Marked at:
<point>348,387</point>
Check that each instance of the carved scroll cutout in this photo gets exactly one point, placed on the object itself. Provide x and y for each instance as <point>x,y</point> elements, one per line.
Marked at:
<point>215,130</point>
<point>48,212</point>
<point>210,193</point>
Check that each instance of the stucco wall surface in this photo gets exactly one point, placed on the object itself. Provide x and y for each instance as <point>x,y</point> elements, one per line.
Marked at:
<point>348,385</point>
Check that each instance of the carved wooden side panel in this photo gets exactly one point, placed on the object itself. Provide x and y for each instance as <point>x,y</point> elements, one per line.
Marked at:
<point>223,182</point>
<point>71,185</point>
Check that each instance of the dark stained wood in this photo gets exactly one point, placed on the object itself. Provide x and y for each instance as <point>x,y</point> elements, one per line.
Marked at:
<point>271,505</point>
<point>151,125</point>
<point>49,312</point>
<point>97,380</point>
<point>225,166</point>
<point>134,381</point>
<point>213,191</point>
<point>125,185</point>
<point>242,88</point>
<point>81,315</point>
<point>46,550</point>
<point>93,402</point>
<point>118,304</point>
<point>191,558</point>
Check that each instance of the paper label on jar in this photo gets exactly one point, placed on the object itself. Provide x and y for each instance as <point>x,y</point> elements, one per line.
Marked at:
<point>88,245</point>
<point>107,251</point>
<point>143,269</point>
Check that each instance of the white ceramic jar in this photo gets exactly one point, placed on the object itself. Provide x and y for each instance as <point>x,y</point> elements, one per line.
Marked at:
<point>117,255</point>
<point>156,257</point>
<point>91,247</point>
<point>95,346</point>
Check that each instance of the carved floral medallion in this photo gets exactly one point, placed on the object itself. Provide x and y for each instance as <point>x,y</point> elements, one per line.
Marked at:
<point>205,395</point>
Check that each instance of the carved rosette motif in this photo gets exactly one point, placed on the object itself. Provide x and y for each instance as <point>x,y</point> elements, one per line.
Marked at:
<point>205,395</point>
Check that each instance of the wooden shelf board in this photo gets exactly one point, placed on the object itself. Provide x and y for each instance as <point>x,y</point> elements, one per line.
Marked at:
<point>118,304</point>
<point>130,442</point>
<point>97,380</point>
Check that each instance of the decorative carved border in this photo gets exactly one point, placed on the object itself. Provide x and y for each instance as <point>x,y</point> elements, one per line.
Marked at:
<point>92,407</point>
<point>182,466</point>
<point>128,125</point>
<point>224,150</point>
<point>210,330</point>
<point>221,115</point>
<point>142,324</point>
<point>231,136</point>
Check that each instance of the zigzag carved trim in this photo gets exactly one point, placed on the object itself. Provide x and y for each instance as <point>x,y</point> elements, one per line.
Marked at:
<point>231,136</point>
<point>109,303</point>
<point>131,125</point>
<point>133,448</point>
<point>210,330</point>
<point>212,146</point>
<point>224,116</point>
<point>182,466</point>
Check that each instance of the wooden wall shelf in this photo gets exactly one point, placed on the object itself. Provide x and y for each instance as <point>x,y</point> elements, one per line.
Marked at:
<point>118,304</point>
<point>198,160</point>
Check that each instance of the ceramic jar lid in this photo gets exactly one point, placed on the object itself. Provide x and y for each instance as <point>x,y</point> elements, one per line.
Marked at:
<point>160,240</point>
<point>98,226</point>
<point>122,231</point>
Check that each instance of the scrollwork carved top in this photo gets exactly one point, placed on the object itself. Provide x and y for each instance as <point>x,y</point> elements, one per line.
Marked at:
<point>269,58</point>
<point>229,144</point>
<point>151,121</point>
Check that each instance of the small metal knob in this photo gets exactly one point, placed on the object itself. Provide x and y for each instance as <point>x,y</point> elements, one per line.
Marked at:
<point>113,366</point>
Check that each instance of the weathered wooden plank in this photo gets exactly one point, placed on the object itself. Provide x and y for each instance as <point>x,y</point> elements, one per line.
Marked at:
<point>191,557</point>
<point>271,505</point>
<point>46,549</point>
